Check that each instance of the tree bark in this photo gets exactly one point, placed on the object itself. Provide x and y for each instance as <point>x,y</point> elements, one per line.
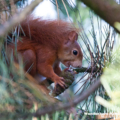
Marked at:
<point>108,10</point>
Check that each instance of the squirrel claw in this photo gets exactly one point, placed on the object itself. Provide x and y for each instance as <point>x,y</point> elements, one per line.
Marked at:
<point>61,82</point>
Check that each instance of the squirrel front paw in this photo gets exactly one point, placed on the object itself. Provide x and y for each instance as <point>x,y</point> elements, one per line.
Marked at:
<point>59,80</point>
<point>68,79</point>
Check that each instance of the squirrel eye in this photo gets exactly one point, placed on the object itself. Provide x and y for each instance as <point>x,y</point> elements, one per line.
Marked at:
<point>75,52</point>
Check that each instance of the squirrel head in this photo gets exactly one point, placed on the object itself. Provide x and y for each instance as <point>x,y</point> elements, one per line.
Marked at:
<point>70,52</point>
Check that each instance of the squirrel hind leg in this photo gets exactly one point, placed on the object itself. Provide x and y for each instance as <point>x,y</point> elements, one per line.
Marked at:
<point>29,58</point>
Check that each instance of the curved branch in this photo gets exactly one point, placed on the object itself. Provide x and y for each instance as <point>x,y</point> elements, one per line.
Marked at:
<point>74,102</point>
<point>108,10</point>
<point>16,19</point>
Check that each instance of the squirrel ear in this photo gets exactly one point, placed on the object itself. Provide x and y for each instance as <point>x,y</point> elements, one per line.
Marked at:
<point>73,36</point>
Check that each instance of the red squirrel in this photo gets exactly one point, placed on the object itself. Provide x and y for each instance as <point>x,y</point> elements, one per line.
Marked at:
<point>45,44</point>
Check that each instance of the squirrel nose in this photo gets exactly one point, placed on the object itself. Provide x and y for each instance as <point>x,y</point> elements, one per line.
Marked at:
<point>79,66</point>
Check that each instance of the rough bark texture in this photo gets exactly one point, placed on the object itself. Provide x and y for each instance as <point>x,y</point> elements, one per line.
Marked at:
<point>108,10</point>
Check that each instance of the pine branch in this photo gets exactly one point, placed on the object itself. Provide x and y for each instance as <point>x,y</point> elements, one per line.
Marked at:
<point>108,10</point>
<point>88,70</point>
<point>73,102</point>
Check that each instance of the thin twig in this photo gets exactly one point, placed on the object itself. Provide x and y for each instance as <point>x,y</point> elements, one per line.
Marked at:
<point>66,9</point>
<point>57,9</point>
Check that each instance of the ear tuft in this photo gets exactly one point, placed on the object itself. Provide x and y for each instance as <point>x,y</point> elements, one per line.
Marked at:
<point>73,36</point>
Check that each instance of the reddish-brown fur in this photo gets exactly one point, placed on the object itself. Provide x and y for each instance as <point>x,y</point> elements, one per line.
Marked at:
<point>47,43</point>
